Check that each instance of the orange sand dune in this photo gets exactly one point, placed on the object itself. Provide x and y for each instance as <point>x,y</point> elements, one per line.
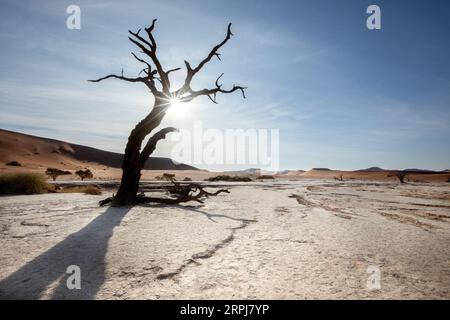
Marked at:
<point>36,154</point>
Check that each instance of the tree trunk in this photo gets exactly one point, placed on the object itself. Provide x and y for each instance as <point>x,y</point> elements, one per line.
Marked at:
<point>129,185</point>
<point>132,162</point>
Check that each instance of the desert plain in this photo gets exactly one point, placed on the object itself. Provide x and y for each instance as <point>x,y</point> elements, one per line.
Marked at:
<point>301,235</point>
<point>308,239</point>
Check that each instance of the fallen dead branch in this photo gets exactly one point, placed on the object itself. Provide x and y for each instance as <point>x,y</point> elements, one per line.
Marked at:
<point>179,192</point>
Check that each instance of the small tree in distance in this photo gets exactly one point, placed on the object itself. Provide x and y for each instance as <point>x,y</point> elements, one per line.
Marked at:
<point>84,174</point>
<point>55,173</point>
<point>400,175</point>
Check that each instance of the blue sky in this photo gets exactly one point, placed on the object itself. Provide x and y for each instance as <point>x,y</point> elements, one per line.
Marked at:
<point>341,95</point>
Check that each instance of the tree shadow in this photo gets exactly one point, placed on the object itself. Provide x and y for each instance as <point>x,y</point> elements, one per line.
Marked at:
<point>86,248</point>
<point>196,208</point>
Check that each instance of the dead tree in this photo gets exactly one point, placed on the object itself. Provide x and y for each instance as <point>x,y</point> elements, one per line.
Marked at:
<point>400,175</point>
<point>156,79</point>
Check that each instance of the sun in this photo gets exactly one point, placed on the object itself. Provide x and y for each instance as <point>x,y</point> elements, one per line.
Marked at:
<point>177,107</point>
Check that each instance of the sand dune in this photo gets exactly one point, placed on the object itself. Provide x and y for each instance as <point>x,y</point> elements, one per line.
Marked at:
<point>37,154</point>
<point>385,175</point>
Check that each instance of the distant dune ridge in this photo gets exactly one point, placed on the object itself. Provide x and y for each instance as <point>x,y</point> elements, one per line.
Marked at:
<point>372,173</point>
<point>371,169</point>
<point>37,152</point>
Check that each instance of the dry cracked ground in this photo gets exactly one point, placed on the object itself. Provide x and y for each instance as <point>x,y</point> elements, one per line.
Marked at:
<point>278,240</point>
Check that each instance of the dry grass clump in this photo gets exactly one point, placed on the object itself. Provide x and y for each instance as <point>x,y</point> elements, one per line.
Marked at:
<point>265,177</point>
<point>23,183</point>
<point>229,178</point>
<point>14,164</point>
<point>90,189</point>
<point>166,177</point>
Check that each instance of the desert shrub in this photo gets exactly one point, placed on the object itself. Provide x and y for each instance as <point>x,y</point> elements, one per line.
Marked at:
<point>14,164</point>
<point>229,178</point>
<point>264,177</point>
<point>23,183</point>
<point>402,176</point>
<point>55,173</point>
<point>166,176</point>
<point>187,179</point>
<point>93,190</point>
<point>84,174</point>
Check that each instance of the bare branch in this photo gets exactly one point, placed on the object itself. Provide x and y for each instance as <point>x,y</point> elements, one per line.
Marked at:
<point>188,66</point>
<point>172,70</point>
<point>213,98</point>
<point>217,80</point>
<point>191,72</point>
<point>141,43</point>
<point>140,46</point>
<point>151,143</point>
<point>136,35</point>
<point>145,70</point>
<point>138,79</point>
<point>214,50</point>
<point>148,81</point>
<point>150,34</point>
<point>142,60</point>
<point>210,93</point>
